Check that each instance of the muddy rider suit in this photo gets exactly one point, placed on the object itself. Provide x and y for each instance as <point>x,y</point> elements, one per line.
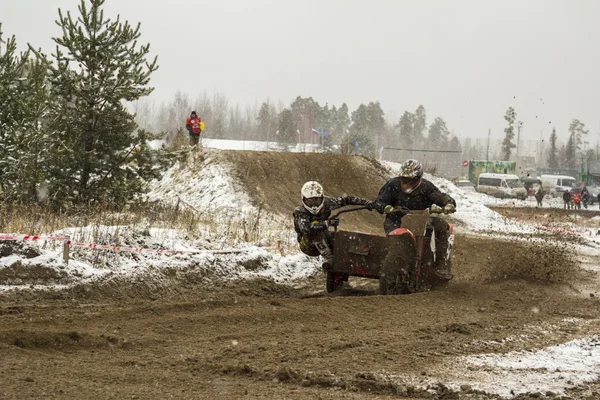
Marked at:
<point>311,230</point>
<point>421,198</point>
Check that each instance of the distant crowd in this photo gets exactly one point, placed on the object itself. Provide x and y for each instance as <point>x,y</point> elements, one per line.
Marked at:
<point>575,198</point>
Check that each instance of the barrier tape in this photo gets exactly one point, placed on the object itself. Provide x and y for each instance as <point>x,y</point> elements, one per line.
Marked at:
<point>68,241</point>
<point>32,238</point>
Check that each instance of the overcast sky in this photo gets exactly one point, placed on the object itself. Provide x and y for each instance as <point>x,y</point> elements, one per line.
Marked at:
<point>466,61</point>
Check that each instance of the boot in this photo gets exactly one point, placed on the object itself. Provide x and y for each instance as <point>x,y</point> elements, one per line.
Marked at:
<point>440,266</point>
<point>327,263</point>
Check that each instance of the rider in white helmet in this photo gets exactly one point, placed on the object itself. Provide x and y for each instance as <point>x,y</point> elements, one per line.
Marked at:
<point>310,219</point>
<point>411,191</point>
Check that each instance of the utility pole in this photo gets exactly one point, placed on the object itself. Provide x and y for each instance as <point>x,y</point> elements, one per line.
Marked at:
<point>519,125</point>
<point>540,148</point>
<point>487,153</point>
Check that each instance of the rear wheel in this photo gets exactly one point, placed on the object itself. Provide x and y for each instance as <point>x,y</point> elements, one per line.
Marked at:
<point>335,281</point>
<point>394,276</point>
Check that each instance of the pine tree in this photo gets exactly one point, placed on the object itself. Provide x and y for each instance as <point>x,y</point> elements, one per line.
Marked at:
<point>24,101</point>
<point>454,144</point>
<point>406,130</point>
<point>31,139</point>
<point>98,65</point>
<point>438,134</point>
<point>287,130</point>
<point>420,125</point>
<point>570,154</point>
<point>507,143</point>
<point>266,118</point>
<point>359,140</point>
<point>552,154</point>
<point>12,102</point>
<point>577,131</point>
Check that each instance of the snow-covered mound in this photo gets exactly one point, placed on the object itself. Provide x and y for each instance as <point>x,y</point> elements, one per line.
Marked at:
<point>204,181</point>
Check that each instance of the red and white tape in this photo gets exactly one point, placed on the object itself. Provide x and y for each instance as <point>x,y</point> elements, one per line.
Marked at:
<point>32,238</point>
<point>67,240</point>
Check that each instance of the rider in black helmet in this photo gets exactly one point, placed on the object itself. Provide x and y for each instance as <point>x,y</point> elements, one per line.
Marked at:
<point>411,191</point>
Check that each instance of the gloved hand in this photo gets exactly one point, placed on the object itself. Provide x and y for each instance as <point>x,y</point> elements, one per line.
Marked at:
<point>370,206</point>
<point>449,209</point>
<point>317,225</point>
<point>436,209</point>
<point>388,209</point>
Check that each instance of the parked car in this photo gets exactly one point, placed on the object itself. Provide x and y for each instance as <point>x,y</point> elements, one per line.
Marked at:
<point>592,189</point>
<point>558,184</point>
<point>465,184</point>
<point>504,186</point>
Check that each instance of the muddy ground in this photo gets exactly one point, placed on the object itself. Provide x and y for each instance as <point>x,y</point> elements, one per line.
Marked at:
<point>182,336</point>
<point>259,340</point>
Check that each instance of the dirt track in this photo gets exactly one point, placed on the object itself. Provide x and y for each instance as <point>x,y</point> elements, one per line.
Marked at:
<point>259,340</point>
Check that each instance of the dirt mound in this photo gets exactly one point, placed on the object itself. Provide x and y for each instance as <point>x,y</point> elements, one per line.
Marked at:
<point>490,260</point>
<point>273,180</point>
<point>19,274</point>
<point>71,340</point>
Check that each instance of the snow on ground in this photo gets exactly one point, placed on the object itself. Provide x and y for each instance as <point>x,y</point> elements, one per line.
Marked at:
<point>552,369</point>
<point>204,184</point>
<point>88,265</point>
<point>255,145</point>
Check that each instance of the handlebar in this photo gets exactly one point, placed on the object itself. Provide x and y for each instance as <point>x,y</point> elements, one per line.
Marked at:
<point>434,209</point>
<point>334,220</point>
<point>336,215</point>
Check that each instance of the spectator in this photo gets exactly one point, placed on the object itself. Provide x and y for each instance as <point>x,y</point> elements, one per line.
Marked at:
<point>585,197</point>
<point>576,199</point>
<point>539,196</point>
<point>195,126</point>
<point>567,199</point>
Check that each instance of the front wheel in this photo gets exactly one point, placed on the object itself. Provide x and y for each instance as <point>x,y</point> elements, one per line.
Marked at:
<point>395,274</point>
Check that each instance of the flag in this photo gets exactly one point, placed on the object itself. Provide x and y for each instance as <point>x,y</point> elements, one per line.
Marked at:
<point>320,133</point>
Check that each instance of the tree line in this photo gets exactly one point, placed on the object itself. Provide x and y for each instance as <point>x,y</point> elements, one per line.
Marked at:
<point>75,124</point>
<point>361,131</point>
<point>568,156</point>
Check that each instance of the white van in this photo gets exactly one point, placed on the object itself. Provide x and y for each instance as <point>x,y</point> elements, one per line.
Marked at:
<point>558,183</point>
<point>501,185</point>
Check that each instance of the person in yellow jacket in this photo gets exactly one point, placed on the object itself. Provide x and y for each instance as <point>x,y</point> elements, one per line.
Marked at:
<point>195,126</point>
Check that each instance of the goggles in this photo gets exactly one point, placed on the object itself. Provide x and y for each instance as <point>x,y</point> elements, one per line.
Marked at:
<point>313,201</point>
<point>410,181</point>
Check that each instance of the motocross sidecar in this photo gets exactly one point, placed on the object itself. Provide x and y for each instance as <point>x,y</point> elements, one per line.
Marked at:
<point>402,261</point>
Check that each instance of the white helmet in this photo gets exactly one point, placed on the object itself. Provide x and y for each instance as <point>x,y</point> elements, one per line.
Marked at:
<point>411,175</point>
<point>312,197</point>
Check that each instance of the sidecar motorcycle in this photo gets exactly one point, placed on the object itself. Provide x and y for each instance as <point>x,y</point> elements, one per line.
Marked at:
<point>402,261</point>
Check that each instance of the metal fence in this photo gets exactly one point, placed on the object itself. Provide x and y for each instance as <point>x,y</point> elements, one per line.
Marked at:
<point>445,163</point>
